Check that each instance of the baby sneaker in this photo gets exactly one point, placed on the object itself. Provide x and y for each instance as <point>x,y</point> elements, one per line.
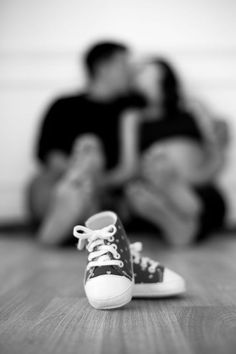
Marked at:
<point>151,278</point>
<point>108,280</point>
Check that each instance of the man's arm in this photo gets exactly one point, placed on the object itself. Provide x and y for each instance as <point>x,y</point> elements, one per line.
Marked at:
<point>48,149</point>
<point>128,160</point>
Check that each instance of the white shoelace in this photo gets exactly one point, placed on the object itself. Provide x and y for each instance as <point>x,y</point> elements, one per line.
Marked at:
<point>99,252</point>
<point>136,249</point>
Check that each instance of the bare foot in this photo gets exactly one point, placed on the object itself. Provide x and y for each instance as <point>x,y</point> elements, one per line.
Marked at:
<point>87,158</point>
<point>70,204</point>
<point>154,208</point>
<point>75,194</point>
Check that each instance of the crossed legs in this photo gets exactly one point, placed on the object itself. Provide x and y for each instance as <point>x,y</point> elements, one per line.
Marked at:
<point>163,198</point>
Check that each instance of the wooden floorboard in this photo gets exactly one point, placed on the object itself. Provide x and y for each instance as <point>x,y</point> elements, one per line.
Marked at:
<point>43,308</point>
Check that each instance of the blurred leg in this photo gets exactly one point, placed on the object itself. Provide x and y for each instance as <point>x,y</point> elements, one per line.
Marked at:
<point>74,197</point>
<point>153,206</point>
<point>39,194</point>
<point>159,172</point>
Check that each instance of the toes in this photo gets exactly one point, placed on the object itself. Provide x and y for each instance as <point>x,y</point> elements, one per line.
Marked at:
<point>87,153</point>
<point>155,153</point>
<point>86,143</point>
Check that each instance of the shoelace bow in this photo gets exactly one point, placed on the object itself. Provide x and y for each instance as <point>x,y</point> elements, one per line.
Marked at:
<point>99,252</point>
<point>145,262</point>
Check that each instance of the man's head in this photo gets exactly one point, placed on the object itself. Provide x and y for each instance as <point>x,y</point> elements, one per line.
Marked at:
<point>108,62</point>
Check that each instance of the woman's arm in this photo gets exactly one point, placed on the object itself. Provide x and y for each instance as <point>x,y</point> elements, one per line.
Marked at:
<point>214,150</point>
<point>209,170</point>
<point>128,159</point>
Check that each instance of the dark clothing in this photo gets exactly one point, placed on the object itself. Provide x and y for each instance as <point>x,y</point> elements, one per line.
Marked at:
<point>70,117</point>
<point>182,125</point>
<point>214,210</point>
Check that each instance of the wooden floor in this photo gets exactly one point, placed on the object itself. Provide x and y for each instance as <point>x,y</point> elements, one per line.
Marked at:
<point>43,308</point>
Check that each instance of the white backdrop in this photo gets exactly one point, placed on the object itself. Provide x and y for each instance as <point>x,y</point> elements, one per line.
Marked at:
<point>40,42</point>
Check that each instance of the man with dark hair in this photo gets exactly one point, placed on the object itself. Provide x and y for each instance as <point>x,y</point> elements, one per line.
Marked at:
<point>78,145</point>
<point>101,53</point>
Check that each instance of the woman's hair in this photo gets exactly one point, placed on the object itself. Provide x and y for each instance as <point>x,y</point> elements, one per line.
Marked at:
<point>170,85</point>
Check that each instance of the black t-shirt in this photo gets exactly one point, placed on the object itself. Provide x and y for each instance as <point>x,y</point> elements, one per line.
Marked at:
<point>70,117</point>
<point>181,124</point>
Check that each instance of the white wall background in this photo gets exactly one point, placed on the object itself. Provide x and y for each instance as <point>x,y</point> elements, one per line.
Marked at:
<point>40,42</point>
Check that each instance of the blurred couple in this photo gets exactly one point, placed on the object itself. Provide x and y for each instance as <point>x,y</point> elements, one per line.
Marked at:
<point>132,142</point>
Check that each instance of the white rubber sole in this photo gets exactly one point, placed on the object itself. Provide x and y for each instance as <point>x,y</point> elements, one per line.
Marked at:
<point>158,290</point>
<point>173,284</point>
<point>113,302</point>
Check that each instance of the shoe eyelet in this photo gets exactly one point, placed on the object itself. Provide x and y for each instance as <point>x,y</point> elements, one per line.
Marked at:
<point>117,256</point>
<point>114,246</point>
<point>121,265</point>
<point>111,238</point>
<point>112,228</point>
